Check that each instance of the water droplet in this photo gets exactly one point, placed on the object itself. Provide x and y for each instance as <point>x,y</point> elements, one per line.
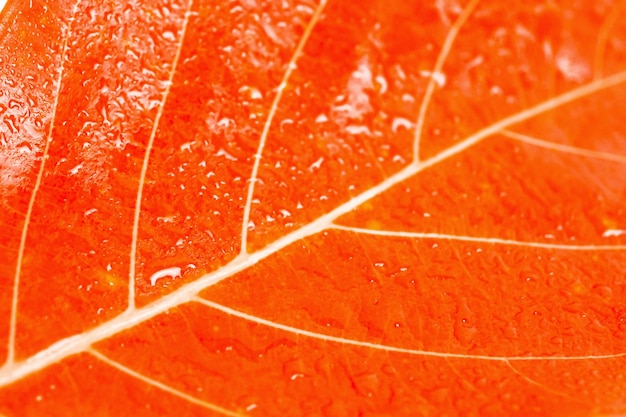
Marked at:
<point>439,77</point>
<point>496,91</point>
<point>316,165</point>
<point>14,104</point>
<point>399,122</point>
<point>358,130</point>
<point>24,148</point>
<point>186,146</point>
<point>173,272</point>
<point>75,170</point>
<point>284,122</point>
<point>168,35</point>
<point>10,122</point>
<point>321,118</point>
<point>225,154</point>
<point>382,82</point>
<point>571,66</point>
<point>225,122</point>
<point>252,92</point>
<point>613,232</point>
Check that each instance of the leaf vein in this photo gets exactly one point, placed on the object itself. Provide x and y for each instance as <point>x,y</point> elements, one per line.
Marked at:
<point>268,123</point>
<point>146,159</point>
<point>31,203</point>
<point>563,148</point>
<point>490,240</point>
<point>78,343</point>
<point>395,349</point>
<point>128,371</point>
<point>430,88</point>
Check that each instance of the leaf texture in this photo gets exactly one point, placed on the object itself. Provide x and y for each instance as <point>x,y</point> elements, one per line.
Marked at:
<point>318,209</point>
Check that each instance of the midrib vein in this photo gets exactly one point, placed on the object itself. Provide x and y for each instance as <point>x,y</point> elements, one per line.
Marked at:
<point>80,343</point>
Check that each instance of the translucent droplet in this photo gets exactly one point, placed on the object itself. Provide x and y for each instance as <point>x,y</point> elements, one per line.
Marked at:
<point>169,35</point>
<point>613,232</point>
<point>321,118</point>
<point>173,272</point>
<point>399,122</point>
<point>439,77</point>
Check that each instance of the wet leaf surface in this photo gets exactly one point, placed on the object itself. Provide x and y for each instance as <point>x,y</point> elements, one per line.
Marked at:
<point>317,209</point>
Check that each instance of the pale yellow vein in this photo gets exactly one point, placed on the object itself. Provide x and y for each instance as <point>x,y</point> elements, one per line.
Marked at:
<point>489,240</point>
<point>160,385</point>
<point>130,318</point>
<point>540,385</point>
<point>146,159</point>
<point>563,148</point>
<point>430,88</point>
<point>395,349</point>
<point>603,37</point>
<point>33,196</point>
<point>268,123</point>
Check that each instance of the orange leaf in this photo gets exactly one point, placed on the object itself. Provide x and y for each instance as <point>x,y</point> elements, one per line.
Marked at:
<point>312,209</point>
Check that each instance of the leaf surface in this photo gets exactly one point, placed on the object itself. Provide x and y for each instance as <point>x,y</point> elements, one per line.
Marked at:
<point>317,209</point>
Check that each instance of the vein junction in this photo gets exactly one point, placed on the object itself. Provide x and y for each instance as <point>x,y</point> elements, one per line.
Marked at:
<point>131,318</point>
<point>14,371</point>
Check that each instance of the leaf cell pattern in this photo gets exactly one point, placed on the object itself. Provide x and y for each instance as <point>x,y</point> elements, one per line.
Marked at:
<point>300,208</point>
